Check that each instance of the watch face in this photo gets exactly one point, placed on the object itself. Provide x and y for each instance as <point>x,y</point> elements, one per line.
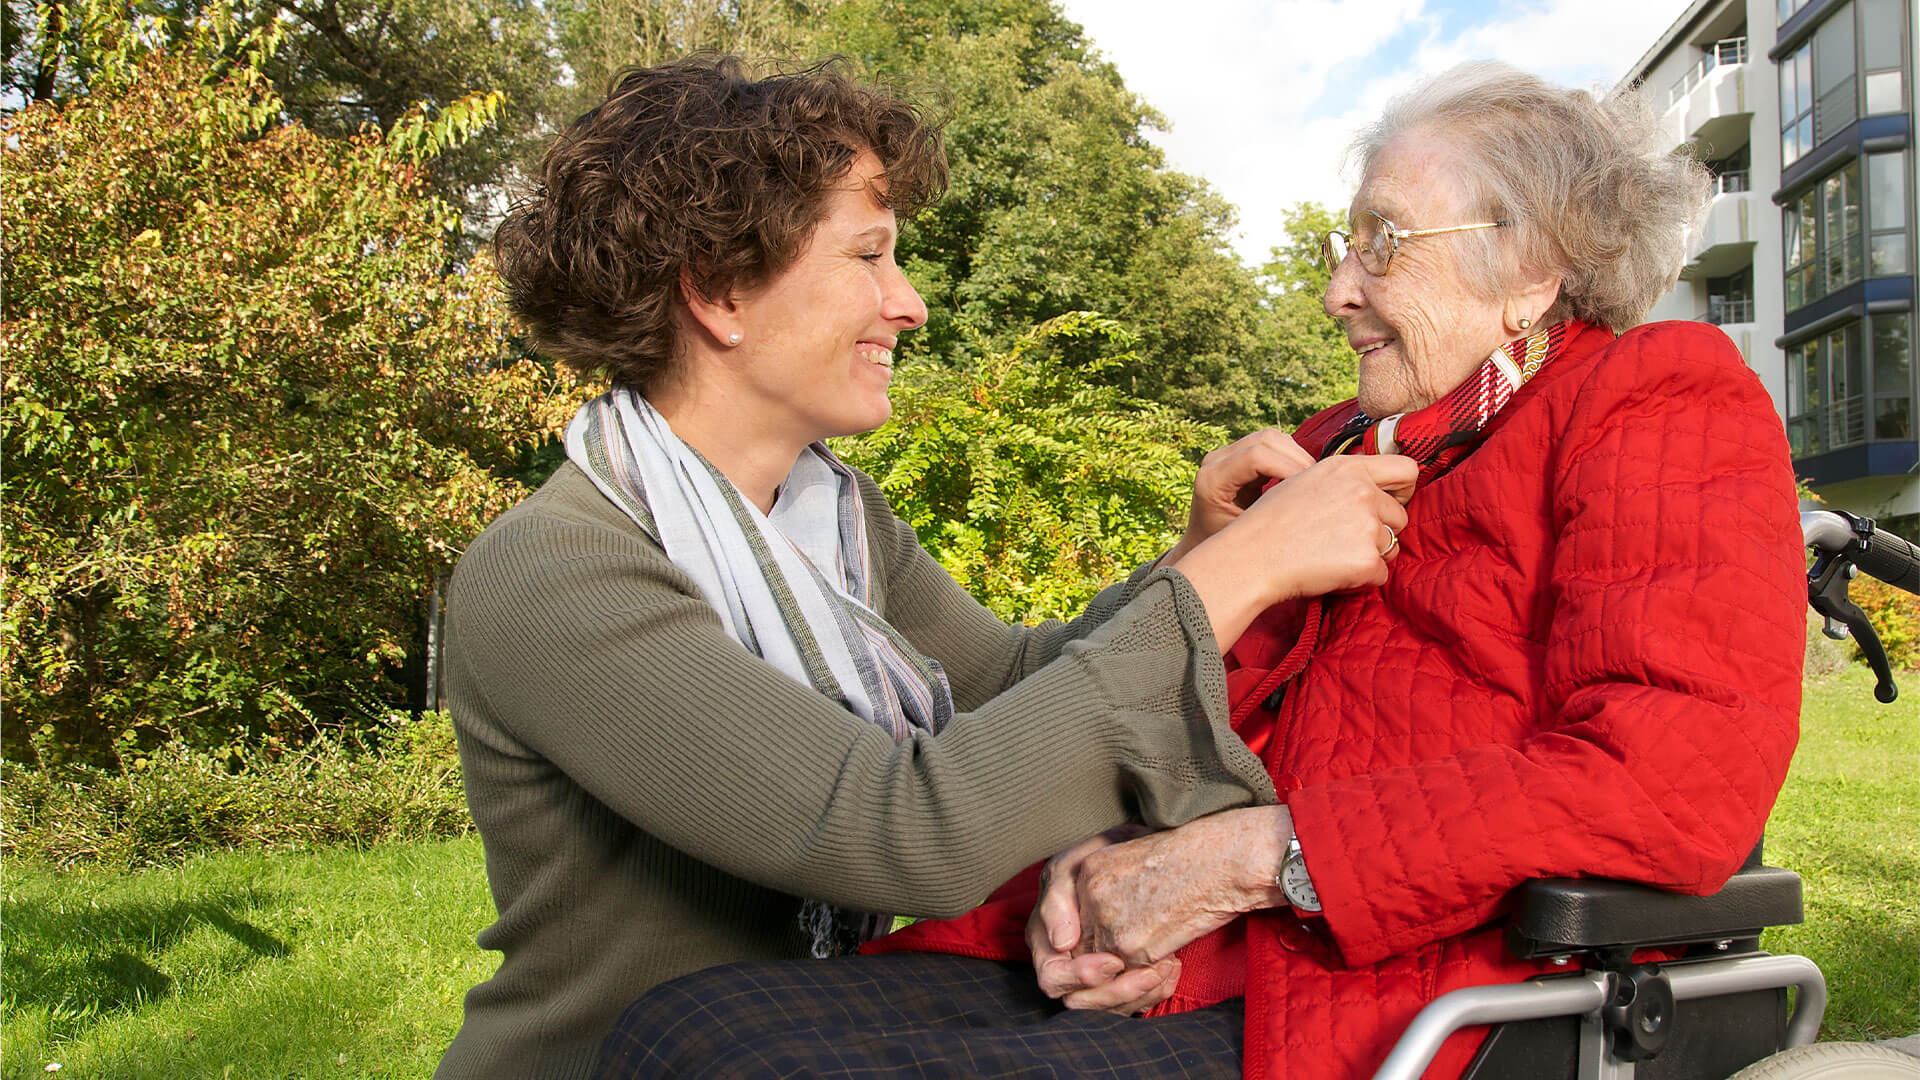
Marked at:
<point>1298,886</point>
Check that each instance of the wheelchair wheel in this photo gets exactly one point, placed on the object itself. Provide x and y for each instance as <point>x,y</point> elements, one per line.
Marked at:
<point>1834,1061</point>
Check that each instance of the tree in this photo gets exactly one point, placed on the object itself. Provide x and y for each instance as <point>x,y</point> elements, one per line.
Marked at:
<point>1033,483</point>
<point>337,66</point>
<point>600,37</point>
<point>249,411</point>
<point>1060,203</point>
<point>348,64</point>
<point>1309,355</point>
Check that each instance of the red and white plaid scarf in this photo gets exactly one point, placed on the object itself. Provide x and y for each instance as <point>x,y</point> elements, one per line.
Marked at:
<point>1443,433</point>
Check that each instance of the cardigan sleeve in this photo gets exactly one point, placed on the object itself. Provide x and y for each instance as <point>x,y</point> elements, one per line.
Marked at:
<point>1671,681</point>
<point>582,647</point>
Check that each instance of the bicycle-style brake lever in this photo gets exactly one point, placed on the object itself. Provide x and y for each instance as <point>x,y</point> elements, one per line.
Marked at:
<point>1827,594</point>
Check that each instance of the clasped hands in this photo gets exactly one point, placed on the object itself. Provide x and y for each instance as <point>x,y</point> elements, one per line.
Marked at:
<point>1114,908</point>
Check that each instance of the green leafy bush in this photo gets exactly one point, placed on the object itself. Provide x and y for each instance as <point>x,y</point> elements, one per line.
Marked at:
<point>401,782</point>
<point>251,407</point>
<point>1033,483</point>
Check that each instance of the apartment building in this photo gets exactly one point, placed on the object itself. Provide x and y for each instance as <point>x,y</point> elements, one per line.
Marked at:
<point>1804,110</point>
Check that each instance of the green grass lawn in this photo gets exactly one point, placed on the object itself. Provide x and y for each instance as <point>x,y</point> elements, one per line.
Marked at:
<point>345,964</point>
<point>335,964</point>
<point>1849,822</point>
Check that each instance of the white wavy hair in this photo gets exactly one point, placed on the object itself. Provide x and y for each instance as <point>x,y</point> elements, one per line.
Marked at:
<point>1591,194</point>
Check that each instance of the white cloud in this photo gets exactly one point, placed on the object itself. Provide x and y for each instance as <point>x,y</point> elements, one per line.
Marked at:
<point>1263,96</point>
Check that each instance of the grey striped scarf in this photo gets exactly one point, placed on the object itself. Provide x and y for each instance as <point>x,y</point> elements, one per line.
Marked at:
<point>793,586</point>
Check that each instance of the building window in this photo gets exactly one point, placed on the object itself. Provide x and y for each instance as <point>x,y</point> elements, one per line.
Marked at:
<point>1821,83</point>
<point>1788,7</point>
<point>1732,174</point>
<point>1730,298</point>
<point>1826,401</point>
<point>1827,395</point>
<point>1887,214</point>
<point>1822,234</point>
<point>1796,105</point>
<point>1892,376</point>
<point>1881,34</point>
<point>1836,97</point>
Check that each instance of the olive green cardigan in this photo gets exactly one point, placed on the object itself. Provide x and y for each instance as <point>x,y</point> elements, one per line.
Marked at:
<point>653,798</point>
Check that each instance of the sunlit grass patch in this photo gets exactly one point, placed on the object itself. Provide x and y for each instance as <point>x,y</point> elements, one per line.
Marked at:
<point>337,963</point>
<point>1848,822</point>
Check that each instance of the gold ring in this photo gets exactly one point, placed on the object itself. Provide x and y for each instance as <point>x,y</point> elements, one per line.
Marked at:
<point>1393,540</point>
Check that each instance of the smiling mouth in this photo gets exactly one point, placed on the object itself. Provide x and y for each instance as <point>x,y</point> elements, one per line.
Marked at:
<point>878,355</point>
<point>1372,345</point>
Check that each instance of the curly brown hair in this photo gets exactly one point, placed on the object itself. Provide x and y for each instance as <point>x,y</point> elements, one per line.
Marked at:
<point>694,168</point>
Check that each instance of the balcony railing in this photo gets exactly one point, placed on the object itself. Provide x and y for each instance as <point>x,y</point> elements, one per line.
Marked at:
<point>1726,310</point>
<point>1829,427</point>
<point>1719,54</point>
<point>1834,110</point>
<point>1732,182</point>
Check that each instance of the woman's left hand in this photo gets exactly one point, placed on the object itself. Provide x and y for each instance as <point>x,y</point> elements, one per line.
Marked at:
<point>1231,478</point>
<point>1144,899</point>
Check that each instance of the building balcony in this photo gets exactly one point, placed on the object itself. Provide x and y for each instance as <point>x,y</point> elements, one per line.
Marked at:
<point>1708,104</point>
<point>1724,243</point>
<point>1727,311</point>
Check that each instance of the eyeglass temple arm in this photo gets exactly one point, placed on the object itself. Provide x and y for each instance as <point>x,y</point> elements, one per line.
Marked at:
<point>1454,228</point>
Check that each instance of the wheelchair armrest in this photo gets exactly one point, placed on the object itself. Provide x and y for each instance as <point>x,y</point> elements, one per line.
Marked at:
<point>1557,916</point>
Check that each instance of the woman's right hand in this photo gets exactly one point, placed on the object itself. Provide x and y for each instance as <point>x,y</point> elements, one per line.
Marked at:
<point>1324,530</point>
<point>1230,480</point>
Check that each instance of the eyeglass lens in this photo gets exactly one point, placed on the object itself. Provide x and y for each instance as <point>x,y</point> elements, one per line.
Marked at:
<point>1333,248</point>
<point>1372,236</point>
<point>1371,239</point>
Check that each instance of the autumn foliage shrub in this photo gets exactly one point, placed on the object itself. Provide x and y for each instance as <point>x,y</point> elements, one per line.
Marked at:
<point>252,405</point>
<point>1895,615</point>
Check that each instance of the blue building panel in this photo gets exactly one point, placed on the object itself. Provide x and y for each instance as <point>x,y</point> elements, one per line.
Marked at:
<point>1854,462</point>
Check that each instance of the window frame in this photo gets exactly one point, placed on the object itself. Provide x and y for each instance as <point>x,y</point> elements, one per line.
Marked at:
<point>1815,217</point>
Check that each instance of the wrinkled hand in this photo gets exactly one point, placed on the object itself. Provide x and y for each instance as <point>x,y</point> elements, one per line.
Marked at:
<point>1230,479</point>
<point>1323,530</point>
<point>1144,899</point>
<point>1088,980</point>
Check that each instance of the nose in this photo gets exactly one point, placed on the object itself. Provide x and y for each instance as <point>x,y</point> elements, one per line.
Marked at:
<point>1344,297</point>
<point>900,302</point>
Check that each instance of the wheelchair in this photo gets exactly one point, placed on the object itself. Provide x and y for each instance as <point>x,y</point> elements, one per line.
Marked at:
<point>1719,1010</point>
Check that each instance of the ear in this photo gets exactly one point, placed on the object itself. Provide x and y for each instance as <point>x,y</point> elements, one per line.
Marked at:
<point>720,317</point>
<point>1525,308</point>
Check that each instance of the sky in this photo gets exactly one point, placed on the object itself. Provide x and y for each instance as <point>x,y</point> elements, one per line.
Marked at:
<point>1262,96</point>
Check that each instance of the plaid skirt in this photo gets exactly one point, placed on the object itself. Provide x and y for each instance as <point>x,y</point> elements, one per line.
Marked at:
<point>920,1015</point>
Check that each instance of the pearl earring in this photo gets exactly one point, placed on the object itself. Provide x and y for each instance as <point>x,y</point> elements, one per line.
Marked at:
<point>1524,322</point>
<point>733,338</point>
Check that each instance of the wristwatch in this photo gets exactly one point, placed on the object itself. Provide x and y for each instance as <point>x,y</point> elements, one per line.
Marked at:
<point>1295,882</point>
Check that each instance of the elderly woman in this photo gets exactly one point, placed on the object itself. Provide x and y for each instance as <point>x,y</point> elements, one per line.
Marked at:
<point>714,702</point>
<point>1550,682</point>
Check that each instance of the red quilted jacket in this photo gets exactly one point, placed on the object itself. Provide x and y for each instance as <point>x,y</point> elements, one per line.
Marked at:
<point>1586,662</point>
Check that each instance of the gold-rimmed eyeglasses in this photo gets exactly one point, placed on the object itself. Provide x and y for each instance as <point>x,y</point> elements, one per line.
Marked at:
<point>1375,239</point>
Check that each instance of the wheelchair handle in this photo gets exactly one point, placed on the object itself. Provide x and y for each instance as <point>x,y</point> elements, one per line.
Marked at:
<point>1846,542</point>
<point>1874,550</point>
